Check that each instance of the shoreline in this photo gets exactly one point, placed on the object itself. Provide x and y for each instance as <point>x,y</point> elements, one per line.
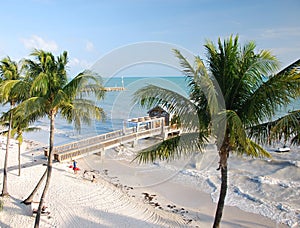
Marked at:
<point>197,205</point>
<point>122,193</point>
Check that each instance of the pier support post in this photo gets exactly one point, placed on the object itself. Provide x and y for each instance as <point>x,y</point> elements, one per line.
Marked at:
<point>102,154</point>
<point>134,143</point>
<point>124,128</point>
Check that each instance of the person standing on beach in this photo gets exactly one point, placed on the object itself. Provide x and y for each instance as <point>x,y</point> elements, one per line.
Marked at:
<point>75,166</point>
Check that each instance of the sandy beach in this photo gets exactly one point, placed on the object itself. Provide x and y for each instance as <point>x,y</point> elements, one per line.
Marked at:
<point>118,194</point>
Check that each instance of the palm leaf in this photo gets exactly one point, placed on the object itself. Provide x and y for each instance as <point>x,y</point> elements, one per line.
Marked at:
<point>6,88</point>
<point>290,69</point>
<point>172,148</point>
<point>296,139</point>
<point>278,91</point>
<point>255,150</point>
<point>282,128</point>
<point>151,96</point>
<point>81,111</point>
<point>33,108</point>
<point>286,126</point>
<point>201,85</point>
<point>85,83</point>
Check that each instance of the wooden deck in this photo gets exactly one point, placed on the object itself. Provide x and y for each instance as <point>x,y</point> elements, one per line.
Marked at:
<point>98,144</point>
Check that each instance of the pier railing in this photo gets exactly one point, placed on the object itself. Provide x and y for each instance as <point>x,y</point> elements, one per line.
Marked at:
<point>112,139</point>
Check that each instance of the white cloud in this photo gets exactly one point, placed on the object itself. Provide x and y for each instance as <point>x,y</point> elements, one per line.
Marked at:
<point>75,62</point>
<point>89,46</point>
<point>281,32</point>
<point>36,42</point>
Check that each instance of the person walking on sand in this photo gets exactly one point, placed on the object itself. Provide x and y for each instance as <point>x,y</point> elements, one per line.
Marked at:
<point>75,166</point>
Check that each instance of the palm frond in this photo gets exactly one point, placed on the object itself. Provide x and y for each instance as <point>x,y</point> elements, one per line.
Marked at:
<point>286,126</point>
<point>40,84</point>
<point>5,90</point>
<point>151,96</point>
<point>296,139</point>
<point>32,108</point>
<point>290,69</point>
<point>283,128</point>
<point>238,141</point>
<point>187,68</point>
<point>254,150</point>
<point>201,86</point>
<point>85,83</point>
<point>81,111</point>
<point>261,132</point>
<point>230,121</point>
<point>172,148</point>
<point>276,92</point>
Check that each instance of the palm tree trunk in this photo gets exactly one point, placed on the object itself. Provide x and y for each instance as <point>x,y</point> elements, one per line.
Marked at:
<point>4,189</point>
<point>223,167</point>
<point>30,197</point>
<point>49,170</point>
<point>220,207</point>
<point>19,157</point>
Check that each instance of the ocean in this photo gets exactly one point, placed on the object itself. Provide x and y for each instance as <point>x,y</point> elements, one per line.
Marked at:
<point>270,187</point>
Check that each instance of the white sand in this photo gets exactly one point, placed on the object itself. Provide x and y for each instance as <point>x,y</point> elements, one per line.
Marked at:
<point>117,198</point>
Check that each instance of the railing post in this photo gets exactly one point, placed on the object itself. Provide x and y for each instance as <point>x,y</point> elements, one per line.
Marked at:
<point>162,125</point>
<point>124,127</point>
<point>134,143</point>
<point>164,134</point>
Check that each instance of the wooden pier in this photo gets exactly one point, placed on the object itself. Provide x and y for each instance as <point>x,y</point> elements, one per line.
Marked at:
<point>149,127</point>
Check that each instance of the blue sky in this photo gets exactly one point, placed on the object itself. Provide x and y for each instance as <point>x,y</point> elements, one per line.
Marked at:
<point>90,29</point>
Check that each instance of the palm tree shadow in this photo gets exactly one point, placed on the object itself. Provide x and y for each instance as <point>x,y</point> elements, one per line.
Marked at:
<point>19,209</point>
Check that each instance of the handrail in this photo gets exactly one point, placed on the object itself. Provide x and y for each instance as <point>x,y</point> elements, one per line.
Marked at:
<point>108,140</point>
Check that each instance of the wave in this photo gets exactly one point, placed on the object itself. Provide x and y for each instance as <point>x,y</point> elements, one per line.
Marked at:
<point>253,194</point>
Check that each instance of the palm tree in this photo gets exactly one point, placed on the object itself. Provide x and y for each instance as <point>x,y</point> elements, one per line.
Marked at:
<point>19,126</point>
<point>13,89</point>
<point>228,98</point>
<point>52,93</point>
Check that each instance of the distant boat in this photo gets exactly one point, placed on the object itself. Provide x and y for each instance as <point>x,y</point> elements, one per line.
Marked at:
<point>283,149</point>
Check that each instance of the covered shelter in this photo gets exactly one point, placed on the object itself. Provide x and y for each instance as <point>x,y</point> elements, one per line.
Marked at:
<point>159,112</point>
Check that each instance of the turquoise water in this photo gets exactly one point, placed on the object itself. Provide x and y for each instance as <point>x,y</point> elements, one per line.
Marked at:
<point>118,106</point>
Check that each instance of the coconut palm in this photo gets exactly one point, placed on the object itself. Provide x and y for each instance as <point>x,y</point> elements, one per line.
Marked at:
<point>19,126</point>
<point>52,93</point>
<point>227,98</point>
<point>13,89</point>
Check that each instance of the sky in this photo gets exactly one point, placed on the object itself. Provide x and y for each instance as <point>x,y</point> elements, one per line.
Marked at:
<point>91,30</point>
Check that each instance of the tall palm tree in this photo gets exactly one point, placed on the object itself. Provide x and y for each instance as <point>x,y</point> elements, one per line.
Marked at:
<point>227,98</point>
<point>13,89</point>
<point>19,126</point>
<point>52,93</point>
